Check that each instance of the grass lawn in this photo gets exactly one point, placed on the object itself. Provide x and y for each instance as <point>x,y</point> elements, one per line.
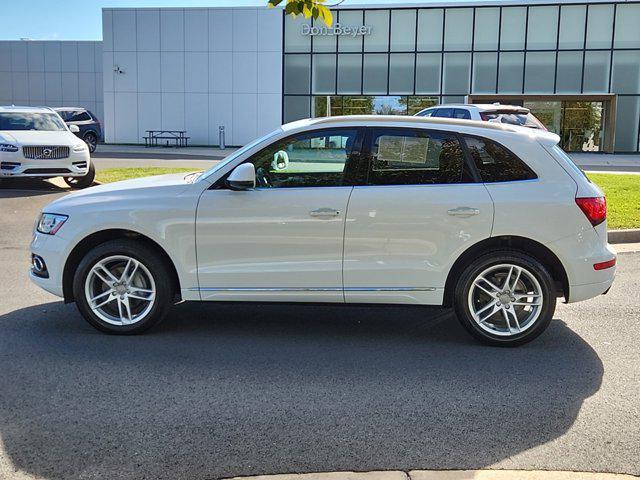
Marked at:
<point>623,198</point>
<point>623,191</point>
<point>117,174</point>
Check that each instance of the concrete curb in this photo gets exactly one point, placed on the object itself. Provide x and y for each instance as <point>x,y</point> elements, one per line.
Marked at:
<point>631,235</point>
<point>446,475</point>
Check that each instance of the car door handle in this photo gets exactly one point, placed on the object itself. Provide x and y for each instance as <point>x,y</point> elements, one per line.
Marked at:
<point>325,212</point>
<point>463,212</point>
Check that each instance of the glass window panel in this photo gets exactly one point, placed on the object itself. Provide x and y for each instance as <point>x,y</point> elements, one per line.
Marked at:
<point>540,72</point>
<point>388,105</point>
<point>294,41</point>
<point>627,22</point>
<point>458,28</point>
<point>543,28</point>
<point>510,74</point>
<point>428,72</point>
<point>324,73</point>
<point>416,104</point>
<point>430,29</point>
<point>453,99</point>
<point>627,114</point>
<point>295,108</point>
<point>626,72</point>
<point>324,43</point>
<point>401,73</point>
<point>297,70</point>
<point>347,105</point>
<point>349,73</point>
<point>351,18</point>
<point>572,26</point>
<point>375,73</point>
<point>599,26</point>
<point>569,72</point>
<point>403,30</point>
<point>457,69</point>
<point>596,72</point>
<point>485,72</point>
<point>512,28</point>
<point>487,28</point>
<point>378,39</point>
<point>320,106</point>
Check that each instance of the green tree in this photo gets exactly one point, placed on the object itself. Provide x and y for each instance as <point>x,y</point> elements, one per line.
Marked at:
<point>309,8</point>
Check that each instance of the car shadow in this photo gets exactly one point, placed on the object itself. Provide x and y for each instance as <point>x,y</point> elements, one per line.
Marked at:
<point>28,187</point>
<point>228,389</point>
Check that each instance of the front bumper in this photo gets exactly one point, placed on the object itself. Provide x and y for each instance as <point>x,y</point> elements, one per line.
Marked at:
<point>16,165</point>
<point>53,250</point>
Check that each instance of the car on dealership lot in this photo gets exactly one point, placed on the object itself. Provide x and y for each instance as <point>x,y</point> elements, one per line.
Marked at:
<point>90,129</point>
<point>492,219</point>
<point>35,142</point>
<point>495,112</point>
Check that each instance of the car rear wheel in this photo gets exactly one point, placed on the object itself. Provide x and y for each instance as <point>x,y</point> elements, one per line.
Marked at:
<point>123,287</point>
<point>505,298</point>
<point>82,182</point>
<point>91,140</point>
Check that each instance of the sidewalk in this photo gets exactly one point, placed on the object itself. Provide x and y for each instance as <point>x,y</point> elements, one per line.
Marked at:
<point>606,162</point>
<point>142,152</point>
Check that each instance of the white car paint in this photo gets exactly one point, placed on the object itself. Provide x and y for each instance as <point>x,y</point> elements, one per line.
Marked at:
<point>16,164</point>
<point>393,244</point>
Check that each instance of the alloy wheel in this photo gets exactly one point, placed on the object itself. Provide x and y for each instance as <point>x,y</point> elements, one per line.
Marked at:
<point>505,299</point>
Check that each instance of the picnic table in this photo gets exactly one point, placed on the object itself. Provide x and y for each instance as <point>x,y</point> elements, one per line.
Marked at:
<point>178,137</point>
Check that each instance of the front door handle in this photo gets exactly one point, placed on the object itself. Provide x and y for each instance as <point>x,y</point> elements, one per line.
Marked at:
<point>463,212</point>
<point>325,212</point>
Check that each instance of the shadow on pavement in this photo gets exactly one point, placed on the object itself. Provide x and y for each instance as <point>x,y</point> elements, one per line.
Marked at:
<point>28,187</point>
<point>228,389</point>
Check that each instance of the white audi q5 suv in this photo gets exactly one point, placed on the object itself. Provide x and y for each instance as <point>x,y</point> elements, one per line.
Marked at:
<point>35,142</point>
<point>494,220</point>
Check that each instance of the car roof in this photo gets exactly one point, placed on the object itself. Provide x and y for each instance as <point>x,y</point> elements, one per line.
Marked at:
<point>454,124</point>
<point>23,109</point>
<point>483,107</point>
<point>68,109</point>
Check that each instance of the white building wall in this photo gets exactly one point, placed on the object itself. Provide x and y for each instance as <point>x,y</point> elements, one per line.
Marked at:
<point>52,73</point>
<point>192,69</point>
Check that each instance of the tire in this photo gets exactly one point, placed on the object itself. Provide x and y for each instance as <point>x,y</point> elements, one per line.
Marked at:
<point>151,274</point>
<point>91,140</point>
<point>82,182</point>
<point>528,315</point>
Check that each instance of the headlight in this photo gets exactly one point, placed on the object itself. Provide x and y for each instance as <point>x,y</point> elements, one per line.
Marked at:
<point>81,147</point>
<point>50,223</point>
<point>7,147</point>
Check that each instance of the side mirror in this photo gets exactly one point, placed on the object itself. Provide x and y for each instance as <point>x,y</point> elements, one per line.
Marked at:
<point>243,177</point>
<point>74,129</point>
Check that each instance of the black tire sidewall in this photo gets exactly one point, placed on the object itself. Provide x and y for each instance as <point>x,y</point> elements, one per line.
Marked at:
<point>150,259</point>
<point>495,258</point>
<point>83,182</point>
<point>92,146</point>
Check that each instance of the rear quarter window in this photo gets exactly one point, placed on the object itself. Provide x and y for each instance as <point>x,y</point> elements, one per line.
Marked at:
<point>496,163</point>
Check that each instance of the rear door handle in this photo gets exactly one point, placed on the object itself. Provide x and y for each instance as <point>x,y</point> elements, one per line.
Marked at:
<point>325,212</point>
<point>463,212</point>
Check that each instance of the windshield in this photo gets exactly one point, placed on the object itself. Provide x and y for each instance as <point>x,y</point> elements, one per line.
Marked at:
<point>237,153</point>
<point>49,122</point>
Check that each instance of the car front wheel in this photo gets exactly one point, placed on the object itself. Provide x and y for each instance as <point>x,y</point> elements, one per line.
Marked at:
<point>505,298</point>
<point>123,287</point>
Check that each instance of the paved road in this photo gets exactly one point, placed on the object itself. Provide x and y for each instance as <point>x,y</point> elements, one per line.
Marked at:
<point>221,390</point>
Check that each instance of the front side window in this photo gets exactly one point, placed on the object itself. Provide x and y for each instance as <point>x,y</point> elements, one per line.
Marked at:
<point>444,113</point>
<point>425,113</point>
<point>315,159</point>
<point>414,157</point>
<point>81,116</point>
<point>495,163</point>
<point>50,122</point>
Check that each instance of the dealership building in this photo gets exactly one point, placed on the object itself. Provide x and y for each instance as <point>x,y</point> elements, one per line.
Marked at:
<point>576,65</point>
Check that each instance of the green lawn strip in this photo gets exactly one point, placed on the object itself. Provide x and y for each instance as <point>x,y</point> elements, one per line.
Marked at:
<point>623,198</point>
<point>623,191</point>
<point>117,174</point>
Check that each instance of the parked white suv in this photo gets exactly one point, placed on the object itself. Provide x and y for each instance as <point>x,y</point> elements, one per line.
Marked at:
<point>493,219</point>
<point>35,142</point>
<point>495,112</point>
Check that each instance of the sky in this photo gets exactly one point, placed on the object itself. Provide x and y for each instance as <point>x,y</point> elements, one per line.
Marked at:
<point>82,19</point>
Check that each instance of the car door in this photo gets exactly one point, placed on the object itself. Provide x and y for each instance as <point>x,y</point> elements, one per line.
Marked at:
<point>283,239</point>
<point>419,210</point>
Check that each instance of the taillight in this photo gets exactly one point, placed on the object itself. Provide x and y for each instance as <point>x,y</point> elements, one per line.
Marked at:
<point>595,208</point>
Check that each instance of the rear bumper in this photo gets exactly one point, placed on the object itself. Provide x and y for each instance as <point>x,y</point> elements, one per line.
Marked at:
<point>15,165</point>
<point>577,293</point>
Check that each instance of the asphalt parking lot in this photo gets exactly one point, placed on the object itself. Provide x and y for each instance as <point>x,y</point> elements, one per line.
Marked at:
<point>224,389</point>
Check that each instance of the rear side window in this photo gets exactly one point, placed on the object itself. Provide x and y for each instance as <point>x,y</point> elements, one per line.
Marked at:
<point>443,113</point>
<point>461,113</point>
<point>495,163</point>
<point>415,157</point>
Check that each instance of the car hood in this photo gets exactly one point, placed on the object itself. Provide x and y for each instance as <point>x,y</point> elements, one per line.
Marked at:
<point>136,191</point>
<point>35,137</point>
